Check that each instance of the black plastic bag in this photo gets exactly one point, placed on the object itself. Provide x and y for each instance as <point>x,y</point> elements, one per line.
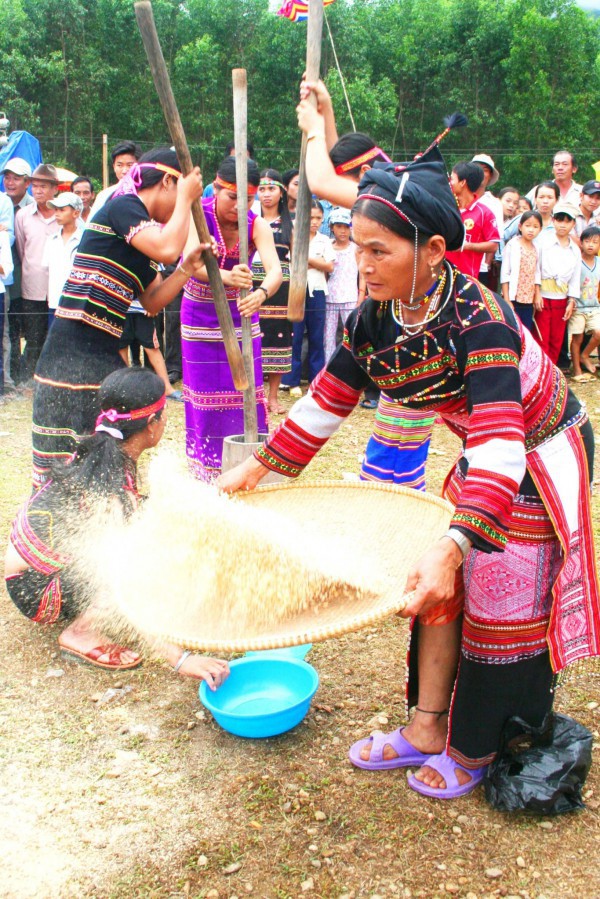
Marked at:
<point>546,777</point>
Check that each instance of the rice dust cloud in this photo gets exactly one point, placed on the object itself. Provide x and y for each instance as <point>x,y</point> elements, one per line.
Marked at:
<point>193,561</point>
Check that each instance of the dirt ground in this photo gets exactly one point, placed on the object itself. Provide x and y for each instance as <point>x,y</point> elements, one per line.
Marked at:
<point>119,786</point>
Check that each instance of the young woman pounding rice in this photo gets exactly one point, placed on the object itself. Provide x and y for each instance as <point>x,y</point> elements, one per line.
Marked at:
<point>214,409</point>
<point>520,547</point>
<point>116,262</point>
<point>38,568</point>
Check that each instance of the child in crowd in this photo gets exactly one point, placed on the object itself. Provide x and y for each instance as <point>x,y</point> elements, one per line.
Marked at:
<point>6,270</point>
<point>520,276</point>
<point>560,269</point>
<point>524,204</point>
<point>140,329</point>
<point>509,197</point>
<point>60,248</point>
<point>343,285</point>
<point>586,317</point>
<point>547,195</point>
<point>321,256</point>
<point>102,472</point>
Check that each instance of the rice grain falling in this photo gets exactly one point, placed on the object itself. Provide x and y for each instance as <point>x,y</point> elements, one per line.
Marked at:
<point>191,555</point>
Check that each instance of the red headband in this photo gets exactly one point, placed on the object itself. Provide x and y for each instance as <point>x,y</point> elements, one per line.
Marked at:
<point>233,187</point>
<point>133,414</point>
<point>360,160</point>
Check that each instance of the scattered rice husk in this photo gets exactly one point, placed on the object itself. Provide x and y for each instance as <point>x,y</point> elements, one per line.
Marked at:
<point>192,554</point>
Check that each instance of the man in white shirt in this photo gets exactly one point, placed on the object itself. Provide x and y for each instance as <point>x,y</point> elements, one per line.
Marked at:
<point>564,167</point>
<point>60,248</point>
<point>33,225</point>
<point>17,178</point>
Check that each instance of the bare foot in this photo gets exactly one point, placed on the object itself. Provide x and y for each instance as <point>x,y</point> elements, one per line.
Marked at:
<point>277,409</point>
<point>587,364</point>
<point>426,735</point>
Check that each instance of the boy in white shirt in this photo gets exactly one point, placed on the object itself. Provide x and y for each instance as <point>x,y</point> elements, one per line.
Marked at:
<point>586,318</point>
<point>6,270</point>
<point>60,248</point>
<point>560,269</point>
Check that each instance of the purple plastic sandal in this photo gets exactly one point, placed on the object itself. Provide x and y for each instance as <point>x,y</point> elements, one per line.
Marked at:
<point>407,754</point>
<point>446,766</point>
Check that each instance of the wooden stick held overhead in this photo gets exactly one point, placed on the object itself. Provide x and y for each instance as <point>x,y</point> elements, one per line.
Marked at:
<point>145,20</point>
<point>240,132</point>
<point>299,264</point>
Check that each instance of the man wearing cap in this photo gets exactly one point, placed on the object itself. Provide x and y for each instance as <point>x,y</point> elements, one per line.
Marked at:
<point>560,269</point>
<point>35,223</point>
<point>485,196</point>
<point>589,209</point>
<point>17,177</point>
<point>61,247</point>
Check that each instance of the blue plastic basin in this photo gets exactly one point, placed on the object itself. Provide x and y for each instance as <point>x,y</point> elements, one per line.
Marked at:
<point>263,696</point>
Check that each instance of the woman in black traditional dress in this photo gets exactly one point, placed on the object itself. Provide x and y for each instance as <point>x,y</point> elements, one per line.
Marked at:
<point>145,223</point>
<point>514,579</point>
<point>276,329</point>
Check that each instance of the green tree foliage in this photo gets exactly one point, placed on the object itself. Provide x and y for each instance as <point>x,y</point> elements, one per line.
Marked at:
<point>526,72</point>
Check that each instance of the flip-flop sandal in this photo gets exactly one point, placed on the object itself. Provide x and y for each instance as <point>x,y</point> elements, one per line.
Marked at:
<point>407,754</point>
<point>112,650</point>
<point>446,766</point>
<point>583,378</point>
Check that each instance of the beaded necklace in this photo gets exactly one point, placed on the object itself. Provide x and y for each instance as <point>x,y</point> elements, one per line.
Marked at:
<point>224,252</point>
<point>445,284</point>
<point>420,301</point>
<point>433,311</point>
<point>433,297</point>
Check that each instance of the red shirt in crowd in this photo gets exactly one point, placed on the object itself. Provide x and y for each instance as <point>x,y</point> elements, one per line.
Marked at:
<point>480,226</point>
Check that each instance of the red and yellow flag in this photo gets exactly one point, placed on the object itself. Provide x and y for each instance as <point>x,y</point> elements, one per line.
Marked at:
<point>297,10</point>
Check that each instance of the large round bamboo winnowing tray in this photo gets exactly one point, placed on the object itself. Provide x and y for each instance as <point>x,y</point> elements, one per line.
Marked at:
<point>391,527</point>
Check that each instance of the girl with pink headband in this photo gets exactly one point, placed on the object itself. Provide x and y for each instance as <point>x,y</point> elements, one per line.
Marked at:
<point>41,577</point>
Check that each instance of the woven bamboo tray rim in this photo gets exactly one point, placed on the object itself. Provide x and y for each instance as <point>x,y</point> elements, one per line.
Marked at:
<point>338,619</point>
<point>365,487</point>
